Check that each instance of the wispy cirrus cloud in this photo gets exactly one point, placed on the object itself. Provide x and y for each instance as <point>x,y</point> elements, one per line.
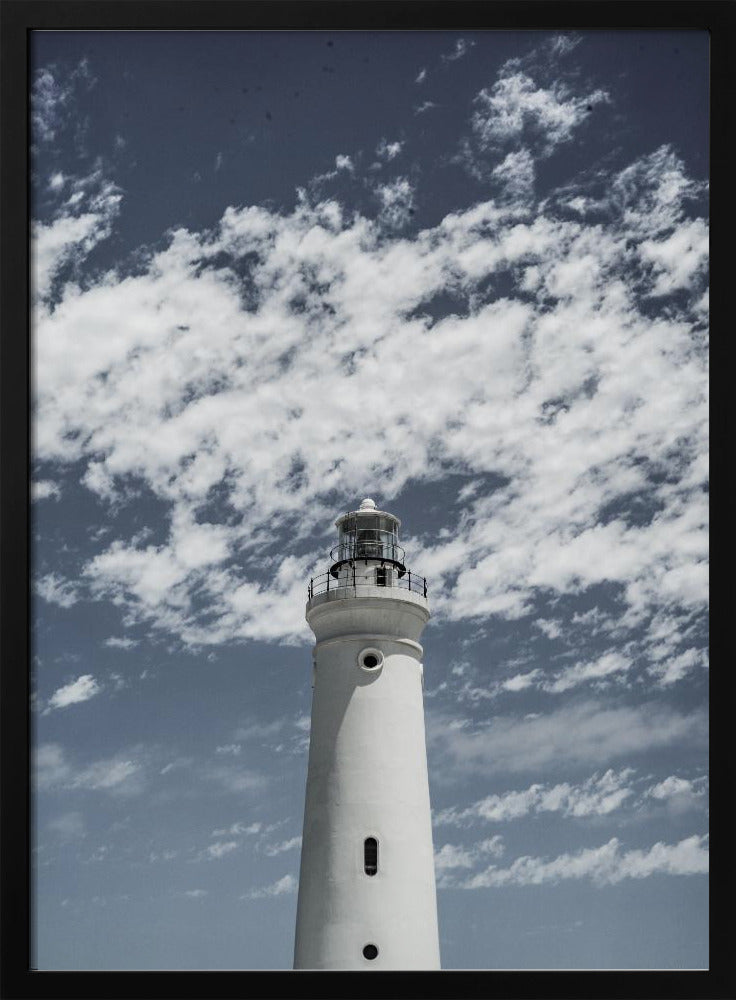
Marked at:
<point>281,887</point>
<point>119,775</point>
<point>234,778</point>
<point>52,98</point>
<point>220,849</point>
<point>542,742</point>
<point>461,48</point>
<point>253,829</point>
<point>612,664</point>
<point>69,826</point>
<point>285,845</point>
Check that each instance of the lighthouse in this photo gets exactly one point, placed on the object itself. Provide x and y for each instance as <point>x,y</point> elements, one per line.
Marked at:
<point>367,898</point>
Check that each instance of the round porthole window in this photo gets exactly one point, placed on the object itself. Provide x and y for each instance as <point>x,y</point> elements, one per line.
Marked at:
<point>370,952</point>
<point>371,659</point>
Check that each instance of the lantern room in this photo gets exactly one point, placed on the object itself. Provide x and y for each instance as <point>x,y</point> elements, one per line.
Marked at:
<point>370,534</point>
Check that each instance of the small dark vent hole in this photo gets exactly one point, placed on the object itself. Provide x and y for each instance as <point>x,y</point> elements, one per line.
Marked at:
<point>370,661</point>
<point>370,952</point>
<point>370,856</point>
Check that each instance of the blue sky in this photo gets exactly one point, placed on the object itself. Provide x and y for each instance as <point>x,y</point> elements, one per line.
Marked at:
<point>464,274</point>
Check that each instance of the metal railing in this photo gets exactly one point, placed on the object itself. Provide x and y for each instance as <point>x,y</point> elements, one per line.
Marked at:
<point>372,548</point>
<point>349,580</point>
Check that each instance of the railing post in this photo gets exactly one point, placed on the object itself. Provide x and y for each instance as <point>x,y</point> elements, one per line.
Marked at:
<point>328,580</point>
<point>425,586</point>
<point>409,579</point>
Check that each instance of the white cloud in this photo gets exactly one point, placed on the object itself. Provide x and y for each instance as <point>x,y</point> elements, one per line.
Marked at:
<point>117,775</point>
<point>515,107</point>
<point>451,856</point>
<point>44,489</point>
<point>194,893</point>
<point>604,865</point>
<point>677,259</point>
<point>82,689</point>
<point>240,829</point>
<point>99,854</point>
<point>562,45</point>
<point>255,730</point>
<point>54,589</point>
<point>397,200</point>
<point>174,765</point>
<point>51,98</point>
<point>221,848</point>
<point>674,668</point>
<point>233,778</point>
<point>69,826</point>
<point>610,667</point>
<point>601,733</point>
<point>122,642</point>
<point>280,887</point>
<point>343,162</point>
<point>166,855</point>
<point>109,774</point>
<point>461,48</point>
<point>679,795</point>
<point>609,663</point>
<point>515,173</point>
<point>388,150</point>
<point>286,845</point>
<point>552,629</point>
<point>85,220</point>
<point>672,786</point>
<point>520,682</point>
<point>651,193</point>
<point>599,795</point>
<point>50,766</point>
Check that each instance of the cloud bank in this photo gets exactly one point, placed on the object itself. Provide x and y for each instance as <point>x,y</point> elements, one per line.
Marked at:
<point>251,376</point>
<point>604,865</point>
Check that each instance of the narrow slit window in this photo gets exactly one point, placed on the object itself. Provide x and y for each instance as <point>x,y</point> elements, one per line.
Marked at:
<point>381,576</point>
<point>370,855</point>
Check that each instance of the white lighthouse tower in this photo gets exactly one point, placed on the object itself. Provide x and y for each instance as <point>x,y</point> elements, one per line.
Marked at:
<point>367,896</point>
